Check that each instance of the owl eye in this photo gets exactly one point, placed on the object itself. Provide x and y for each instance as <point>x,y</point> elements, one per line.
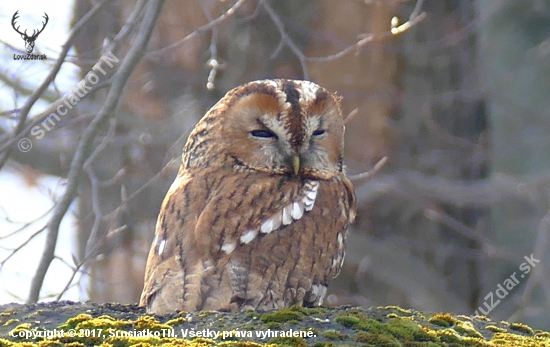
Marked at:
<point>318,132</point>
<point>264,133</point>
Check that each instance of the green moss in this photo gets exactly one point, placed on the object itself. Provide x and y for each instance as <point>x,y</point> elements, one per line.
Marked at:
<point>443,320</point>
<point>396,329</point>
<point>495,329</point>
<point>288,341</point>
<point>409,331</point>
<point>283,316</point>
<point>176,321</point>
<point>337,327</point>
<point>396,308</point>
<point>332,334</point>
<point>71,323</point>
<point>5,343</point>
<point>292,314</point>
<point>314,331</point>
<point>11,321</point>
<point>448,336</point>
<point>371,325</point>
<point>452,338</point>
<point>474,342</point>
<point>309,311</point>
<point>237,344</point>
<point>482,317</point>
<point>274,325</point>
<point>232,336</point>
<point>542,334</point>
<point>521,328</point>
<point>21,328</point>
<point>371,339</point>
<point>203,314</point>
<point>148,322</point>
<point>463,317</point>
<point>347,321</point>
<point>506,339</point>
<point>467,329</point>
<point>52,344</point>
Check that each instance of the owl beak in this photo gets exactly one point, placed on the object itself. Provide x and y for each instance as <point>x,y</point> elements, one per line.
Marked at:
<point>296,164</point>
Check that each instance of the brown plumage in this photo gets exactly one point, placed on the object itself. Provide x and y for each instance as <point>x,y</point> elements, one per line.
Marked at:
<point>257,217</point>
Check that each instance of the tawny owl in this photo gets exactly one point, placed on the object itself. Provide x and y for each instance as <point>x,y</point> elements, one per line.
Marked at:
<point>257,217</point>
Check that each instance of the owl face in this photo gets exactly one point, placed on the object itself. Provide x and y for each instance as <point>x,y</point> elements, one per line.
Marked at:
<point>277,126</point>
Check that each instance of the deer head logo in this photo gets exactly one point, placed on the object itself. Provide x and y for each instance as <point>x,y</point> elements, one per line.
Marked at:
<point>29,40</point>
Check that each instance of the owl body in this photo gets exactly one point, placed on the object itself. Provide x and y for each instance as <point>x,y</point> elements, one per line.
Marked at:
<point>257,217</point>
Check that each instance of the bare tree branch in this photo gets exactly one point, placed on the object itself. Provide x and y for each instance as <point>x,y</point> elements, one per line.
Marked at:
<point>285,38</point>
<point>415,18</point>
<point>473,193</point>
<point>85,144</point>
<point>366,175</point>
<point>50,78</point>
<point>89,254</point>
<point>39,118</point>
<point>213,62</point>
<point>539,274</point>
<point>370,38</point>
<point>94,181</point>
<point>26,225</point>
<point>198,31</point>
<point>16,249</point>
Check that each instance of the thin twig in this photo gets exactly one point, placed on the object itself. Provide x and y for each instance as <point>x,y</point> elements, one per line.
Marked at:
<point>127,29</point>
<point>18,248</point>
<point>49,110</point>
<point>79,265</point>
<point>213,62</point>
<point>538,273</point>
<point>93,179</point>
<point>25,225</point>
<point>351,115</point>
<point>417,8</point>
<point>285,38</point>
<point>159,52</point>
<point>369,38</point>
<point>371,172</point>
<point>438,215</point>
<point>10,114</point>
<point>20,88</point>
<point>162,172</point>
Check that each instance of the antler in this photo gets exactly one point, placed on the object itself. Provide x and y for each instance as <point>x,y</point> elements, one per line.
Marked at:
<point>44,23</point>
<point>13,19</point>
<point>34,35</point>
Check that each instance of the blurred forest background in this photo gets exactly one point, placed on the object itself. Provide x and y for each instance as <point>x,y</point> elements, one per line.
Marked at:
<point>454,93</point>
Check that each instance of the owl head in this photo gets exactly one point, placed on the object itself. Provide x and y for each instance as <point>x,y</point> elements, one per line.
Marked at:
<point>286,127</point>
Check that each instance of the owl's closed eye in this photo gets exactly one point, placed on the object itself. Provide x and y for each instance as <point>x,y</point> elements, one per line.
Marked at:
<point>257,217</point>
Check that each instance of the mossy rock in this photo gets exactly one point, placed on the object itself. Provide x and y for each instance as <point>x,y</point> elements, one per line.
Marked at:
<point>87,324</point>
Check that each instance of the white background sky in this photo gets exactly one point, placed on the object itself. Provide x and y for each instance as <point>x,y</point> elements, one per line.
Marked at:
<point>20,202</point>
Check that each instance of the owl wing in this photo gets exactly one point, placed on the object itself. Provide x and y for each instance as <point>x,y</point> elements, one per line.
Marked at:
<point>172,274</point>
<point>201,217</point>
<point>227,241</point>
